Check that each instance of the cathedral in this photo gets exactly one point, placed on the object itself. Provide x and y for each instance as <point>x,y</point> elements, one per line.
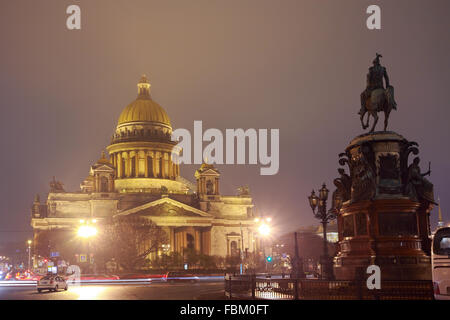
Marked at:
<point>141,178</point>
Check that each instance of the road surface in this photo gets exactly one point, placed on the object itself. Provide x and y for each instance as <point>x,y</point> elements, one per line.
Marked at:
<point>154,291</point>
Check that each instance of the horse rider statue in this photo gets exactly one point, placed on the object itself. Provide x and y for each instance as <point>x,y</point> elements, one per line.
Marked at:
<point>376,98</point>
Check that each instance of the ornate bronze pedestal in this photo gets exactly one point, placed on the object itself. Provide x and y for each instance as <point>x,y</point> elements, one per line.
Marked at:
<point>383,210</point>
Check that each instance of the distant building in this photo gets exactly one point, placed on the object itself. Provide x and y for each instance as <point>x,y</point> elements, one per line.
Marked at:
<point>309,242</point>
<point>140,178</point>
<point>332,232</point>
<point>441,221</point>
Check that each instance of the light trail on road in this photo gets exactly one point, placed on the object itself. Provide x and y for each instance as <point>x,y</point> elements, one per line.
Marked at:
<point>208,290</point>
<point>144,281</point>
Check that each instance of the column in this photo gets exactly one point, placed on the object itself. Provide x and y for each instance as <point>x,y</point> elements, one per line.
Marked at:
<point>155,164</point>
<point>128,166</point>
<point>197,240</point>
<point>96,183</point>
<point>183,233</point>
<point>146,164</point>
<point>151,167</point>
<point>136,169</point>
<point>119,166</point>
<point>111,183</point>
<point>163,166</point>
<point>172,238</point>
<point>170,168</point>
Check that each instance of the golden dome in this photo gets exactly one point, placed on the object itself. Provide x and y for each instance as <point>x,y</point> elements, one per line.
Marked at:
<point>144,109</point>
<point>103,159</point>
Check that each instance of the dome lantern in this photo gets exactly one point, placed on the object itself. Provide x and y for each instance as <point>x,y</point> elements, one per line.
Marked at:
<point>144,109</point>
<point>144,88</point>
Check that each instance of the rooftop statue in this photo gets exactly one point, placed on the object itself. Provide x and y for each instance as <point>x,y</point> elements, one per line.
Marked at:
<point>376,98</point>
<point>56,186</point>
<point>244,191</point>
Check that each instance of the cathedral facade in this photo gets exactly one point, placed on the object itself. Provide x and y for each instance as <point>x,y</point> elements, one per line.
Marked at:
<point>140,178</point>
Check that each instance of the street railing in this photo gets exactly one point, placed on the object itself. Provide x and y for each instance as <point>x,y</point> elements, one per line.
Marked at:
<point>254,287</point>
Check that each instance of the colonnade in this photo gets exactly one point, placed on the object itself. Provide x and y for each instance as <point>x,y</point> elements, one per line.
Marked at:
<point>196,238</point>
<point>144,164</point>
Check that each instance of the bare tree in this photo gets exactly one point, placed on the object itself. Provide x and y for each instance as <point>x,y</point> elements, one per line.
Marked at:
<point>130,240</point>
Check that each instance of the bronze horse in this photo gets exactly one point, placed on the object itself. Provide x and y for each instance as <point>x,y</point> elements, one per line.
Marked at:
<point>380,100</point>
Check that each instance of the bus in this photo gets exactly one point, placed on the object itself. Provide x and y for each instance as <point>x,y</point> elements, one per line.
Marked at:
<point>440,263</point>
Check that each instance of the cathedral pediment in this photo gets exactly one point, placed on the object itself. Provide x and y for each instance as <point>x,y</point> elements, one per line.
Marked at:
<point>103,167</point>
<point>166,207</point>
<point>211,172</point>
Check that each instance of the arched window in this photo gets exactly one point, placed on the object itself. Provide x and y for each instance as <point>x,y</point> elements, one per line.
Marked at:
<point>234,249</point>
<point>190,241</point>
<point>104,184</point>
<point>209,187</point>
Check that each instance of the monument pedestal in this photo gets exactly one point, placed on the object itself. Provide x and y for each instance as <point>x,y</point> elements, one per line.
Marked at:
<point>385,221</point>
<point>388,233</point>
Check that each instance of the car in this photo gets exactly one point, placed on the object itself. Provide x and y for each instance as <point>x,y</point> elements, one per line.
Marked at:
<point>51,283</point>
<point>440,263</point>
<point>173,277</point>
<point>27,276</point>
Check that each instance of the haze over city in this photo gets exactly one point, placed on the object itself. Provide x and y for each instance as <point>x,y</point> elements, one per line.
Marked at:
<point>294,66</point>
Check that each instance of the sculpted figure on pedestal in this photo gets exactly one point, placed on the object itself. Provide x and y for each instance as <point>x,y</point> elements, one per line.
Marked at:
<point>418,187</point>
<point>343,185</point>
<point>363,177</point>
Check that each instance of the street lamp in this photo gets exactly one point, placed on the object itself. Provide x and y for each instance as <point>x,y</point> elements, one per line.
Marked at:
<point>87,231</point>
<point>325,216</point>
<point>264,228</point>
<point>264,231</point>
<point>29,255</point>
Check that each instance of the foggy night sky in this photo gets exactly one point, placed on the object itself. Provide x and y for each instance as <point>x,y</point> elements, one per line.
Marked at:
<point>295,65</point>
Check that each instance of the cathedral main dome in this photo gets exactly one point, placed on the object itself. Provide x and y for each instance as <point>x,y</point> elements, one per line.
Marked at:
<point>144,109</point>
<point>143,119</point>
<point>141,147</point>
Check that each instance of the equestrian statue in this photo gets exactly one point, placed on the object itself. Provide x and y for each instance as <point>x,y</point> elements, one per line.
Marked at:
<point>376,98</point>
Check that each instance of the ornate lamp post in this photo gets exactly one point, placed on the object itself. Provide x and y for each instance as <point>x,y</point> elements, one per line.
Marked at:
<point>29,255</point>
<point>324,215</point>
